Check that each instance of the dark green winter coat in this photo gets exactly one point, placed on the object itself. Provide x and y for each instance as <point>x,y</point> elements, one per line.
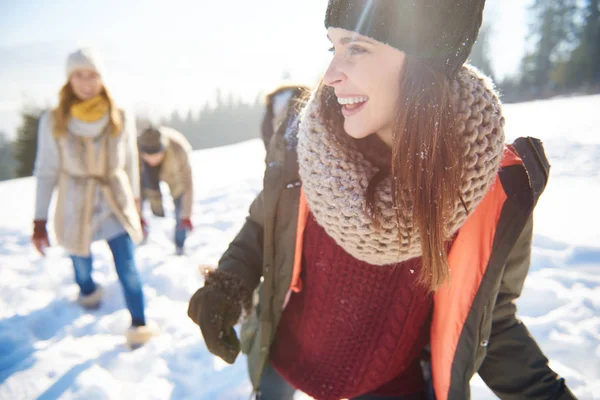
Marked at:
<point>492,342</point>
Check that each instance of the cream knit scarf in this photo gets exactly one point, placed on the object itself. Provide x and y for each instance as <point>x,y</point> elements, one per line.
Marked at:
<point>335,177</point>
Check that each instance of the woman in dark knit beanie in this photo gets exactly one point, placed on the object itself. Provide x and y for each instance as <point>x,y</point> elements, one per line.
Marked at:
<point>393,232</point>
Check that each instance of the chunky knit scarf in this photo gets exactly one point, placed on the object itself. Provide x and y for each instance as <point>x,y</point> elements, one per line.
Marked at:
<point>335,177</point>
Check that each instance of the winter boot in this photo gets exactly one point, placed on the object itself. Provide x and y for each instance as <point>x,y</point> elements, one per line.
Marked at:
<point>137,336</point>
<point>179,251</point>
<point>91,301</point>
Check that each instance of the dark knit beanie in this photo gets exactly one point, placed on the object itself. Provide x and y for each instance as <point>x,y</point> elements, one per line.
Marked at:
<point>440,31</point>
<point>151,141</point>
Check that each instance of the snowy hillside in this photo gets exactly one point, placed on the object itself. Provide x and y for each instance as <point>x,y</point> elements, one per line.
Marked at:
<point>50,348</point>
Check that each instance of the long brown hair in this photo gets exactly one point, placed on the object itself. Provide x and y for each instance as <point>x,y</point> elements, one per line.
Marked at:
<point>424,163</point>
<point>62,113</point>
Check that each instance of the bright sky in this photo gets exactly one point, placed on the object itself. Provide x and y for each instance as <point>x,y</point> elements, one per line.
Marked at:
<point>163,56</point>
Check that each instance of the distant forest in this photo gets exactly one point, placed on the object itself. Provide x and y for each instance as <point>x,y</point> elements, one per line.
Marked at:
<point>564,59</point>
<point>229,121</point>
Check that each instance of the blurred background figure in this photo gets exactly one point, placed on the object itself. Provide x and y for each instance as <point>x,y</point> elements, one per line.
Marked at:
<point>87,147</point>
<point>281,108</point>
<point>164,158</point>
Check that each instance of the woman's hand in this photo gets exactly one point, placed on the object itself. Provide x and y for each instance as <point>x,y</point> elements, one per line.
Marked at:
<point>145,228</point>
<point>40,236</point>
<point>186,224</point>
<point>216,308</point>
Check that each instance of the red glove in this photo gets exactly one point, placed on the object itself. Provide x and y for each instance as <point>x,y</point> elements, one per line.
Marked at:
<point>186,224</point>
<point>144,227</point>
<point>40,236</point>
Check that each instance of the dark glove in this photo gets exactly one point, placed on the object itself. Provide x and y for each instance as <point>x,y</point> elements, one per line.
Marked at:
<point>40,236</point>
<point>216,308</point>
<point>186,224</point>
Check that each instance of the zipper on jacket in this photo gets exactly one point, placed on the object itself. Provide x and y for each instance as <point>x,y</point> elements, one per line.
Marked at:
<point>483,342</point>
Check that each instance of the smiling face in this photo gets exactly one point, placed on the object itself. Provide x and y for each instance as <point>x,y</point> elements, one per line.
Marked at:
<point>365,75</point>
<point>85,83</point>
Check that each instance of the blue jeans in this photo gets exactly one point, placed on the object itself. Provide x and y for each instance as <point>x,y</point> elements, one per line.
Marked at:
<point>274,387</point>
<point>180,232</point>
<point>122,248</point>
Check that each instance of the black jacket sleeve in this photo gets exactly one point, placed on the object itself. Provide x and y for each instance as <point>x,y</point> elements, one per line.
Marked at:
<point>515,367</point>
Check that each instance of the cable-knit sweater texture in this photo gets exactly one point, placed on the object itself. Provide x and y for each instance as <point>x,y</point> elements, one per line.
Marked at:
<point>355,328</point>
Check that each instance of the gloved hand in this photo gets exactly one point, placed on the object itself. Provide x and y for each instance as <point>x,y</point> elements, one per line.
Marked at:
<point>145,228</point>
<point>216,308</point>
<point>186,224</point>
<point>40,236</point>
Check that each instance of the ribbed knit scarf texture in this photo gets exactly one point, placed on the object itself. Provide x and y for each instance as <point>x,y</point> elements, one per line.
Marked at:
<point>335,177</point>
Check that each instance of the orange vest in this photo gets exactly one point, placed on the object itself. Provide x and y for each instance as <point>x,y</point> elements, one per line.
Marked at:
<point>468,260</point>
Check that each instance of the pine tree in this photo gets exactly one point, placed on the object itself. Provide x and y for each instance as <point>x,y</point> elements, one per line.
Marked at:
<point>26,143</point>
<point>176,122</point>
<point>554,34</point>
<point>582,69</point>
<point>7,162</point>
<point>593,38</point>
<point>480,53</point>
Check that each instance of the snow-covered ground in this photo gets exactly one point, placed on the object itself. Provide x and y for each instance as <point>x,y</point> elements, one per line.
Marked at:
<point>50,348</point>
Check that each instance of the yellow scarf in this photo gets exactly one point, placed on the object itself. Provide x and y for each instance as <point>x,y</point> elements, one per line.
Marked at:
<point>90,110</point>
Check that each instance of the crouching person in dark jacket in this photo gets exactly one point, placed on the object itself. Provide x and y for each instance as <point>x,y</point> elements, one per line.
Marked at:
<point>164,157</point>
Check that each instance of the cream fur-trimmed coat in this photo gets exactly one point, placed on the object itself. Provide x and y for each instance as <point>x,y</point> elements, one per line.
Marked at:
<point>97,175</point>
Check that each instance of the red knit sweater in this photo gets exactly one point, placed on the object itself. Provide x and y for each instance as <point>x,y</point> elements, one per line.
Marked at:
<point>355,328</point>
